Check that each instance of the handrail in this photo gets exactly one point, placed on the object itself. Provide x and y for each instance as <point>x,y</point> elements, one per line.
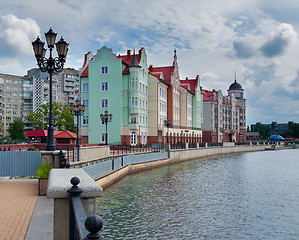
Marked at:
<point>81,227</point>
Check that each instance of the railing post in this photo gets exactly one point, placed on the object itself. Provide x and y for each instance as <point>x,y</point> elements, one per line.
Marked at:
<point>58,186</point>
<point>93,224</point>
<point>74,191</point>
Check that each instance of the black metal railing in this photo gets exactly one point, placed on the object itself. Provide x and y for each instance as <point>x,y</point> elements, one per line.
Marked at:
<point>81,227</point>
<point>178,146</point>
<point>192,145</point>
<point>125,149</point>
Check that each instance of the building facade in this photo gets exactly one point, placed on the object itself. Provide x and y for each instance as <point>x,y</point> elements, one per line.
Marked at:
<point>224,116</point>
<point>15,101</point>
<point>140,99</point>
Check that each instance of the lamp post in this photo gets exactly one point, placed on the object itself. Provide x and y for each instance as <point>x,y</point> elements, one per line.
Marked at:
<point>167,123</point>
<point>77,110</point>
<point>105,119</point>
<point>50,65</point>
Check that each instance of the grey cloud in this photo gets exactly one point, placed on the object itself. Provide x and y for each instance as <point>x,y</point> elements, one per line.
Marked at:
<point>279,41</point>
<point>295,82</point>
<point>274,47</point>
<point>243,50</point>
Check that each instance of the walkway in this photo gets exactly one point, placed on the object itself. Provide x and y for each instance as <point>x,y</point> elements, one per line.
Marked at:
<point>17,203</point>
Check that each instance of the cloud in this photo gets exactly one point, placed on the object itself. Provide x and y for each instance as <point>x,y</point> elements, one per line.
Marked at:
<point>279,41</point>
<point>243,49</point>
<point>16,35</point>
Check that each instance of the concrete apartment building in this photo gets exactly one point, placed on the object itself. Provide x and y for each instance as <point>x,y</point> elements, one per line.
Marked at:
<point>22,95</point>
<point>13,102</point>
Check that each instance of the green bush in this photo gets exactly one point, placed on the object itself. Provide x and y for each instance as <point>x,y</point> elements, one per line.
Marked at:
<point>32,149</point>
<point>44,170</point>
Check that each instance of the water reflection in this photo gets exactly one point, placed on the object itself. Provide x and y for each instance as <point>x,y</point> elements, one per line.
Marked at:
<point>238,196</point>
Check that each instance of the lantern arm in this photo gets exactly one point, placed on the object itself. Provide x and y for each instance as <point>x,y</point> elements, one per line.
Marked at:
<point>43,64</point>
<point>58,64</point>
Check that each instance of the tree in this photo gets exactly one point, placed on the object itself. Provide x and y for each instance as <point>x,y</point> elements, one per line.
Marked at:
<point>1,125</point>
<point>62,117</point>
<point>296,130</point>
<point>16,129</point>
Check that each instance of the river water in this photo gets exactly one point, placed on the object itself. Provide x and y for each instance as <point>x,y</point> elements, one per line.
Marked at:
<point>251,195</point>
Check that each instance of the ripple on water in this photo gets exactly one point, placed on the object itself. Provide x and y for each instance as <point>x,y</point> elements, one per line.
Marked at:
<point>239,196</point>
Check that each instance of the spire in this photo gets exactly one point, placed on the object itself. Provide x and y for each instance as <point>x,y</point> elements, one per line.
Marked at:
<point>134,62</point>
<point>235,76</point>
<point>175,57</point>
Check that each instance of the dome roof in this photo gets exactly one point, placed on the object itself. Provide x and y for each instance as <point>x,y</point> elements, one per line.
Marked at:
<point>235,86</point>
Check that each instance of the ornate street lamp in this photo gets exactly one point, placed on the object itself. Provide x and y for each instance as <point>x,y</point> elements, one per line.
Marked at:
<point>167,123</point>
<point>77,110</point>
<point>105,119</point>
<point>50,65</point>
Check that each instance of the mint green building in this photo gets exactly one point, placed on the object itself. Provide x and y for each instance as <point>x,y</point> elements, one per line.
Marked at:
<point>118,84</point>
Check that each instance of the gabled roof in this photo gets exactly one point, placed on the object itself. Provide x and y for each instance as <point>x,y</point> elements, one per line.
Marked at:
<point>84,73</point>
<point>128,59</point>
<point>159,76</point>
<point>44,133</point>
<point>190,83</point>
<point>167,72</point>
<point>65,134</point>
<point>207,96</point>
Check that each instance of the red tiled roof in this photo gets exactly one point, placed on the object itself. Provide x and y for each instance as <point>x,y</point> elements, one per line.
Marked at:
<point>167,72</point>
<point>36,133</point>
<point>207,96</point>
<point>65,134</point>
<point>158,75</point>
<point>44,133</point>
<point>192,83</point>
<point>208,99</point>
<point>85,72</point>
<point>126,59</point>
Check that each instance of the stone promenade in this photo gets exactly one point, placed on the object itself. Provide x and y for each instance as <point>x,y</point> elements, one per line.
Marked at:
<point>17,202</point>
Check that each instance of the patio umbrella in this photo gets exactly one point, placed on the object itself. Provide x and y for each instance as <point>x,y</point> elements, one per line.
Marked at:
<point>275,138</point>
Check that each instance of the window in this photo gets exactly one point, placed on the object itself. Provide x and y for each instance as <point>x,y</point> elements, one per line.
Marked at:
<point>85,102</point>
<point>104,103</point>
<point>104,86</point>
<point>133,120</point>
<point>85,87</point>
<point>104,70</point>
<point>85,120</point>
<point>15,88</point>
<point>8,93</point>
<point>15,94</point>
<point>8,105</point>
<point>8,87</point>
<point>8,99</point>
<point>15,100</point>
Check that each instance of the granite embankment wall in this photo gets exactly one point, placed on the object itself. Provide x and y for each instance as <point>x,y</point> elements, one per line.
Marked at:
<point>173,157</point>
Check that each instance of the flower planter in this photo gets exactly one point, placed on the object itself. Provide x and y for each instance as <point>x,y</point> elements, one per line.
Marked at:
<point>42,186</point>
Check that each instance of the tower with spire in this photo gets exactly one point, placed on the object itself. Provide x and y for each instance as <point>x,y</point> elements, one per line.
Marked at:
<point>236,89</point>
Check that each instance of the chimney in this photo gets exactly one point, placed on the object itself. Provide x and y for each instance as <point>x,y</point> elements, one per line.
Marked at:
<point>129,52</point>
<point>150,68</point>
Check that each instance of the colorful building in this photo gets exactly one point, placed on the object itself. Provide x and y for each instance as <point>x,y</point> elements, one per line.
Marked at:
<point>224,116</point>
<point>140,99</point>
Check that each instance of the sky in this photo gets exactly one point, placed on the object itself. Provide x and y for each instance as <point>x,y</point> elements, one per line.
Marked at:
<point>257,39</point>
